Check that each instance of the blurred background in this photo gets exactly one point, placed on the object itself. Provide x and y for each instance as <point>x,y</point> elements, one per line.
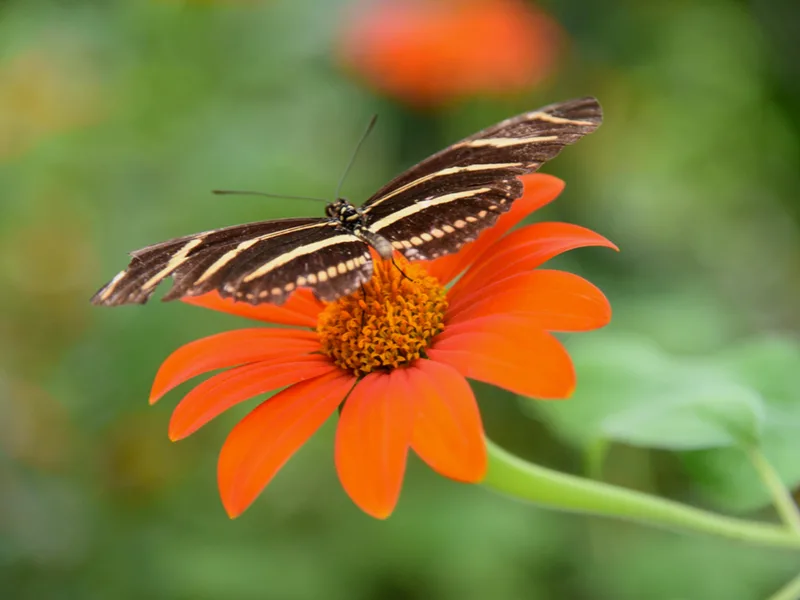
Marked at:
<point>117,118</point>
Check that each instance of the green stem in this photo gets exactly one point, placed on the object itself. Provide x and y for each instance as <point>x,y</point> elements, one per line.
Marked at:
<point>781,498</point>
<point>791,591</point>
<point>518,478</point>
<point>595,457</point>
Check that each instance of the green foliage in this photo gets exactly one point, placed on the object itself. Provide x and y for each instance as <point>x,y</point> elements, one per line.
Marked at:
<point>712,409</point>
<point>772,367</point>
<point>116,120</point>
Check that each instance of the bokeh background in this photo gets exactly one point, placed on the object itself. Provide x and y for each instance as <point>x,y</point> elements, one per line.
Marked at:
<point>118,117</point>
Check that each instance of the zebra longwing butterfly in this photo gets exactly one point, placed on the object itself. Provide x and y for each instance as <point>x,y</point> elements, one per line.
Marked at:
<point>429,211</point>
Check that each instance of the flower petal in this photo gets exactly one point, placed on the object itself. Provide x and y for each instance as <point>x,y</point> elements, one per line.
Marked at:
<point>372,441</point>
<point>511,352</point>
<point>423,53</point>
<point>448,433</point>
<point>265,439</point>
<point>219,393</point>
<point>525,249</point>
<point>228,350</point>
<point>552,300</point>
<point>540,189</point>
<point>300,309</point>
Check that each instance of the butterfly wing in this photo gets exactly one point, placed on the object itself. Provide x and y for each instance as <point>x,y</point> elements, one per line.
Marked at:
<point>446,200</point>
<point>430,210</point>
<point>258,262</point>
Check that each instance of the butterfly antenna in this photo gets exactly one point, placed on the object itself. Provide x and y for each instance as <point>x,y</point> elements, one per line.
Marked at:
<point>247,193</point>
<point>355,153</point>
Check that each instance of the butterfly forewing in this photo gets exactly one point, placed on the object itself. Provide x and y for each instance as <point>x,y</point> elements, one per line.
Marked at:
<point>233,260</point>
<point>485,164</point>
<point>430,210</point>
<point>523,142</point>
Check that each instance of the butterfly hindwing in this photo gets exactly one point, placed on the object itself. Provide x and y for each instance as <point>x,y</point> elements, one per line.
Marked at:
<point>441,223</point>
<point>331,261</point>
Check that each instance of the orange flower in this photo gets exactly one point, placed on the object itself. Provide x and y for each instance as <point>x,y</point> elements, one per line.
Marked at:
<point>399,352</point>
<point>429,52</point>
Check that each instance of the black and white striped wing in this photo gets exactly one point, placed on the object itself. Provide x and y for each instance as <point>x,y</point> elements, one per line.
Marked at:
<point>446,200</point>
<point>258,262</point>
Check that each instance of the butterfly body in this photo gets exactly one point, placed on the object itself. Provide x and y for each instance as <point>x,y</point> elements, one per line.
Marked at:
<point>431,210</point>
<point>352,219</point>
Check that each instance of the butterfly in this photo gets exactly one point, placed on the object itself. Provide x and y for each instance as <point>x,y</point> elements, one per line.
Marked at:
<point>430,210</point>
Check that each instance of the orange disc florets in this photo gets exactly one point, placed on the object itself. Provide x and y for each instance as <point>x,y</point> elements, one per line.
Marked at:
<point>388,324</point>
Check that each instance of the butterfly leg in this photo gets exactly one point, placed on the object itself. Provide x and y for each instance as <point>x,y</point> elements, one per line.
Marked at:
<point>363,310</point>
<point>401,270</point>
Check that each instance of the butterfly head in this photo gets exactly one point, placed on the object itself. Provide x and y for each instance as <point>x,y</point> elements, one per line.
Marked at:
<point>343,211</point>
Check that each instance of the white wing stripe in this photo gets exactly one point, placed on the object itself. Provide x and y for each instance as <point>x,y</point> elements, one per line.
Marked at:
<point>505,142</point>
<point>297,253</point>
<point>231,254</point>
<point>422,205</point>
<point>443,173</point>
<point>174,262</point>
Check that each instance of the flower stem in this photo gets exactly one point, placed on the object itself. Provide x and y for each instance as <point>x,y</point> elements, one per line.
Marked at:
<point>781,498</point>
<point>595,457</point>
<point>513,476</point>
<point>791,591</point>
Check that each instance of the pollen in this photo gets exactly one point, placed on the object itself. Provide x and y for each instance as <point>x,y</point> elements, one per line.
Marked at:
<point>386,324</point>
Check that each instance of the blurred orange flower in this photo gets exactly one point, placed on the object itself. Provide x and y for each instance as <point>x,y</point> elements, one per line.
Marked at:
<point>396,355</point>
<point>430,52</point>
<point>213,2</point>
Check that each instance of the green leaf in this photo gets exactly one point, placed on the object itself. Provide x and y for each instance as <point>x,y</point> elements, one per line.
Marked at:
<point>707,415</point>
<point>614,374</point>
<point>631,392</point>
<point>772,367</point>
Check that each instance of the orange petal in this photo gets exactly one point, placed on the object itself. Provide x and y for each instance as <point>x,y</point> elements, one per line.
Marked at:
<point>372,441</point>
<point>300,309</point>
<point>510,352</point>
<point>217,394</point>
<point>265,439</point>
<point>525,249</point>
<point>540,189</point>
<point>228,350</point>
<point>448,433</point>
<point>552,300</point>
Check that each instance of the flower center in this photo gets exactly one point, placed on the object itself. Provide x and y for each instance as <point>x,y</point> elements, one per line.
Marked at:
<point>387,324</point>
